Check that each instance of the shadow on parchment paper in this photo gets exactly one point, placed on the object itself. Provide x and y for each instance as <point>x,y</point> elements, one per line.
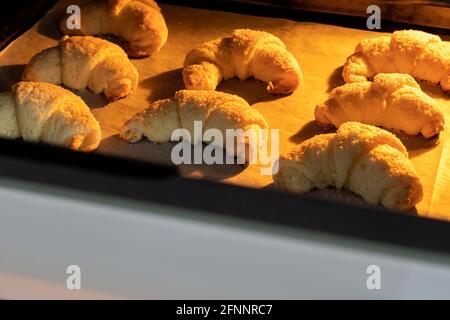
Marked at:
<point>144,150</point>
<point>343,196</point>
<point>335,79</point>
<point>213,172</point>
<point>433,90</point>
<point>417,145</point>
<point>93,100</point>
<point>251,90</point>
<point>348,197</point>
<point>10,75</point>
<point>308,131</point>
<point>270,186</point>
<point>160,153</point>
<point>163,85</point>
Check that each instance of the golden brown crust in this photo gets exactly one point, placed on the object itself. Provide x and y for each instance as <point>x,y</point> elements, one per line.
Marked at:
<point>419,54</point>
<point>38,111</point>
<point>364,159</point>
<point>85,62</point>
<point>138,22</point>
<point>393,101</point>
<point>247,53</point>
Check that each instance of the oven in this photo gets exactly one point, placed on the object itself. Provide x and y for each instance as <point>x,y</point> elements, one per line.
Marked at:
<point>139,226</point>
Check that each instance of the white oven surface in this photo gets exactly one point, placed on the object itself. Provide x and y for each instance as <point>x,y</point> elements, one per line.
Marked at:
<point>165,253</point>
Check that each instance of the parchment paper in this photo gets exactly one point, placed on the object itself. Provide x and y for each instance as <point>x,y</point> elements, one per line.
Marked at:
<point>321,50</point>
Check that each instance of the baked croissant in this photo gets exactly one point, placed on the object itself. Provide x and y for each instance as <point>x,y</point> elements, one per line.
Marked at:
<point>38,111</point>
<point>216,110</point>
<point>138,22</point>
<point>419,54</point>
<point>392,100</point>
<point>247,53</point>
<point>80,62</point>
<point>367,160</point>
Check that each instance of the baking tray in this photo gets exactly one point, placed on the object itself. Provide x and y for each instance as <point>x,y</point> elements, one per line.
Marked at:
<point>160,77</point>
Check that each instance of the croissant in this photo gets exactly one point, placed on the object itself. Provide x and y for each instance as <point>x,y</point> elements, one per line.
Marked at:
<point>216,110</point>
<point>80,62</point>
<point>367,160</point>
<point>247,53</point>
<point>419,54</point>
<point>392,100</point>
<point>38,111</point>
<point>138,22</point>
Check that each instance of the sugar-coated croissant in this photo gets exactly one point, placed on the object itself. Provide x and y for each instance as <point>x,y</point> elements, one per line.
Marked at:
<point>419,54</point>
<point>393,101</point>
<point>38,111</point>
<point>138,22</point>
<point>367,160</point>
<point>85,62</point>
<point>215,110</point>
<point>247,53</point>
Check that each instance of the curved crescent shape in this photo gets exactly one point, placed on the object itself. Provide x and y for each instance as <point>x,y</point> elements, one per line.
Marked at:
<point>419,54</point>
<point>247,53</point>
<point>38,111</point>
<point>393,101</point>
<point>85,62</point>
<point>364,159</point>
<point>138,22</point>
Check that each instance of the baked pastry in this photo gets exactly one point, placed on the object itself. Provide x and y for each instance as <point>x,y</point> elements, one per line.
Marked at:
<point>80,62</point>
<point>138,22</point>
<point>393,101</point>
<point>215,110</point>
<point>38,111</point>
<point>367,160</point>
<point>247,53</point>
<point>419,54</point>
